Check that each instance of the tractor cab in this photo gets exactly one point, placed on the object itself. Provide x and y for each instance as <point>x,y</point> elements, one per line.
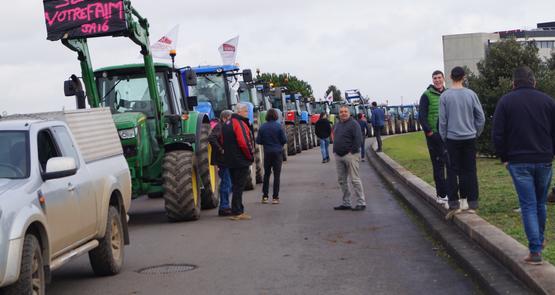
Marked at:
<point>218,89</point>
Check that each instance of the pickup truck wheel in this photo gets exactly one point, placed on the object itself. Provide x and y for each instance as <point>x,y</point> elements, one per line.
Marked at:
<point>107,258</point>
<point>208,173</point>
<point>31,275</point>
<point>182,190</point>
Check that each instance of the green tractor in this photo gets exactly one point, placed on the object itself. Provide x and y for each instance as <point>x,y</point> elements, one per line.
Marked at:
<point>164,141</point>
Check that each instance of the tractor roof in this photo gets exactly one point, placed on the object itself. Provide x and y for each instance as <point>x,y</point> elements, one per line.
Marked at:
<point>130,66</point>
<point>215,69</point>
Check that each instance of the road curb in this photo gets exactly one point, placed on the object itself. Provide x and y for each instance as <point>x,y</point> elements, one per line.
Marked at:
<point>505,249</point>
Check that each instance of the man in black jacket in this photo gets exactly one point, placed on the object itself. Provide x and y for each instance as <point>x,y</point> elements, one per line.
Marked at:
<point>323,131</point>
<point>217,158</point>
<point>428,119</point>
<point>239,155</point>
<point>524,138</point>
<point>346,147</point>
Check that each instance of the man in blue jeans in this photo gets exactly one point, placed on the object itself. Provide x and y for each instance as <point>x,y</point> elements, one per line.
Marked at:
<point>523,135</point>
<point>323,132</point>
<point>378,121</point>
<point>217,158</point>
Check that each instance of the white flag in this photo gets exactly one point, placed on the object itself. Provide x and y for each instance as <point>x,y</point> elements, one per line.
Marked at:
<point>168,42</point>
<point>228,51</point>
<point>330,96</point>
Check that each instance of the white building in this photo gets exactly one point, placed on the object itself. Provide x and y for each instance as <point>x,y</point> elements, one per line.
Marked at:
<point>468,49</point>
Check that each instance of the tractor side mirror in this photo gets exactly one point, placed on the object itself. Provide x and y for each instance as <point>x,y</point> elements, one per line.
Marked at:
<point>69,89</point>
<point>247,76</point>
<point>192,102</point>
<point>190,77</point>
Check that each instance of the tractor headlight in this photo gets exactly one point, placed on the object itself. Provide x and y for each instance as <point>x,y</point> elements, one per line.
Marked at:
<point>128,133</point>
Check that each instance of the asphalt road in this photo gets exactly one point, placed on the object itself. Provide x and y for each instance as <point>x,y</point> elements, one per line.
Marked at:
<point>301,246</point>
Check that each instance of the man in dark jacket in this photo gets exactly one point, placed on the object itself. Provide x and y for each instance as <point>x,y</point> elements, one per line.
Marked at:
<point>239,155</point>
<point>428,118</point>
<point>272,137</point>
<point>378,121</point>
<point>217,158</point>
<point>361,120</point>
<point>346,147</point>
<point>524,138</point>
<point>323,131</point>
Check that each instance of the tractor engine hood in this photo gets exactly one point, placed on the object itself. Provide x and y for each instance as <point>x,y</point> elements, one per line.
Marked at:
<point>128,120</point>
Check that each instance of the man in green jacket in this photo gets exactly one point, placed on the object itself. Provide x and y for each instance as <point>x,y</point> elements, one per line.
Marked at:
<point>428,119</point>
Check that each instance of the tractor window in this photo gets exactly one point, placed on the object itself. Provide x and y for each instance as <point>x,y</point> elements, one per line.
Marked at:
<point>211,88</point>
<point>14,154</point>
<point>130,94</point>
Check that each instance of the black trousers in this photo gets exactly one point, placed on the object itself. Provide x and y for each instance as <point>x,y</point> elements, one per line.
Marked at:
<point>438,155</point>
<point>461,172</point>
<point>272,162</point>
<point>378,134</point>
<point>238,182</point>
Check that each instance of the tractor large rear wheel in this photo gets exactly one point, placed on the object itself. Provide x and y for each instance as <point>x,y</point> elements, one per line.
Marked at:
<point>258,156</point>
<point>298,147</point>
<point>304,136</point>
<point>291,138</point>
<point>181,188</point>
<point>208,173</point>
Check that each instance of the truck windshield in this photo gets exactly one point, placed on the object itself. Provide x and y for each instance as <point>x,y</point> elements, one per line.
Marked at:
<point>211,88</point>
<point>14,154</point>
<point>130,94</point>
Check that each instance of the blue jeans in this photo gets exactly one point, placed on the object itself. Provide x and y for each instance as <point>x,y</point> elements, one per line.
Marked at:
<point>532,181</point>
<point>324,144</point>
<point>225,187</point>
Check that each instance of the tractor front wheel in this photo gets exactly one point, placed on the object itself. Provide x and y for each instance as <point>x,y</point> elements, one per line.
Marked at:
<point>182,189</point>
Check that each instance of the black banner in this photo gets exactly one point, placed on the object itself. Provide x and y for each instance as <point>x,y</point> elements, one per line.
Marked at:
<point>83,18</point>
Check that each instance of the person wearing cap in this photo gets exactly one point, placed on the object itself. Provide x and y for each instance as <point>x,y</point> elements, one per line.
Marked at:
<point>523,134</point>
<point>461,121</point>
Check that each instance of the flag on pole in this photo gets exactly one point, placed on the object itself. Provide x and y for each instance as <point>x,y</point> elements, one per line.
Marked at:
<point>330,96</point>
<point>168,42</point>
<point>228,51</point>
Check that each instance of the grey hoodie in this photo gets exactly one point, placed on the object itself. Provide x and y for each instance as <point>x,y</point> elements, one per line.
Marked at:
<point>460,114</point>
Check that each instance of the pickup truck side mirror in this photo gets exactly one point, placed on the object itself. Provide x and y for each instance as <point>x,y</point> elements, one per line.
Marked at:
<point>59,167</point>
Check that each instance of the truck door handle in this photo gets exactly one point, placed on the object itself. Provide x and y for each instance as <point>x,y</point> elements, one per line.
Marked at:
<point>70,187</point>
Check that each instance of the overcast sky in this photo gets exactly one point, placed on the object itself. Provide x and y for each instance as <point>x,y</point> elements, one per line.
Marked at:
<point>387,49</point>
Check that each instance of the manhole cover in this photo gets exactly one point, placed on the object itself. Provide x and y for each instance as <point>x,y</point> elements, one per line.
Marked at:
<point>166,269</point>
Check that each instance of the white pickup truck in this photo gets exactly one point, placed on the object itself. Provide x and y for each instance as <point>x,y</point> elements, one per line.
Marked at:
<point>65,189</point>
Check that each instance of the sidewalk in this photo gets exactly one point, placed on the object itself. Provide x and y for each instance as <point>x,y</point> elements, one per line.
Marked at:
<point>505,249</point>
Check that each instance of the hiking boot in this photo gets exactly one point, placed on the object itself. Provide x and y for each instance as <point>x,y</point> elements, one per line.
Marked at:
<point>224,212</point>
<point>264,200</point>
<point>275,201</point>
<point>359,208</point>
<point>342,207</point>
<point>533,259</point>
<point>452,213</point>
<point>324,161</point>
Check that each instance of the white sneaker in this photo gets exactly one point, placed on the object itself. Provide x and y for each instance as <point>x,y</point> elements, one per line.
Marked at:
<point>463,204</point>
<point>452,213</point>
<point>441,200</point>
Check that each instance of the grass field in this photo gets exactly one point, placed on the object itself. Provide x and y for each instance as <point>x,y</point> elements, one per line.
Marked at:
<point>498,198</point>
